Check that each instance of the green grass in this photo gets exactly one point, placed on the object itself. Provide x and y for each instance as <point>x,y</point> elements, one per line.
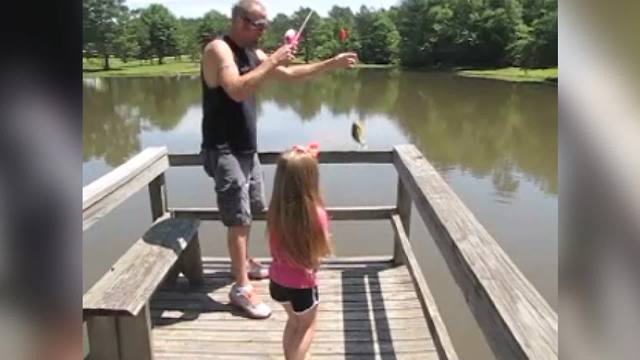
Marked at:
<point>514,74</point>
<point>93,67</point>
<point>171,66</point>
<point>376,66</point>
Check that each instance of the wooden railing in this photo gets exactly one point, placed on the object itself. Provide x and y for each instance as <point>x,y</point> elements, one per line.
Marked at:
<point>109,191</point>
<point>516,321</point>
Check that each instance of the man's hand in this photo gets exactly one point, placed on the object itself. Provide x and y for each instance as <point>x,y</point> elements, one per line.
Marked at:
<point>219,68</point>
<point>346,60</point>
<point>282,56</point>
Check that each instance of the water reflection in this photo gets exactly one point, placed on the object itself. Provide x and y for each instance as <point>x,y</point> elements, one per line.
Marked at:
<point>116,111</point>
<point>485,128</point>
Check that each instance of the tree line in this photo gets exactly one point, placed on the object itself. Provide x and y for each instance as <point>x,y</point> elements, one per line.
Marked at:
<point>432,33</point>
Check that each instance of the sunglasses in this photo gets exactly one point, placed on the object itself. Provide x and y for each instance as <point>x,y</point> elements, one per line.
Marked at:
<point>256,24</point>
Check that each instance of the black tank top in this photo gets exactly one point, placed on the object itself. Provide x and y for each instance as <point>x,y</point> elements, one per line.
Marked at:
<point>227,124</point>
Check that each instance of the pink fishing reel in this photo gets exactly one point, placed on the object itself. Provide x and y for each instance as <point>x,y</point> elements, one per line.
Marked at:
<point>292,38</point>
<point>289,36</point>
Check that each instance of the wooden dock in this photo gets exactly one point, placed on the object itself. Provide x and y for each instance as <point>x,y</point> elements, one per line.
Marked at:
<point>163,300</point>
<point>368,309</point>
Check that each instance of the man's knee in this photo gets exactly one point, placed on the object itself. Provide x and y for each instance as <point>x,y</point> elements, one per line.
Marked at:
<point>238,230</point>
<point>235,208</point>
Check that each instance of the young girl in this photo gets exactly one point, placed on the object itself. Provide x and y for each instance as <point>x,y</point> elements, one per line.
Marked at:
<point>298,238</point>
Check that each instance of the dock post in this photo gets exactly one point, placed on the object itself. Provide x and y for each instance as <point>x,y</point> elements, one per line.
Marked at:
<point>134,336</point>
<point>158,197</point>
<point>159,206</point>
<point>403,205</point>
<point>103,338</point>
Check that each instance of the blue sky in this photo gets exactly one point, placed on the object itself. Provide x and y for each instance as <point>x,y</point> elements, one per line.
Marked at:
<point>196,8</point>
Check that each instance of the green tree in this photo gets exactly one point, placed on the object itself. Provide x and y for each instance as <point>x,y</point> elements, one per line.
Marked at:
<point>531,10</point>
<point>414,42</point>
<point>102,27</point>
<point>187,38</point>
<point>307,48</point>
<point>537,44</point>
<point>415,32</point>
<point>145,50</point>
<point>323,40</point>
<point>273,38</point>
<point>495,32</point>
<point>496,28</point>
<point>545,32</point>
<point>126,44</point>
<point>522,50</point>
<point>379,44</point>
<point>344,18</point>
<point>393,13</point>
<point>161,28</point>
<point>441,32</point>
<point>465,39</point>
<point>211,25</point>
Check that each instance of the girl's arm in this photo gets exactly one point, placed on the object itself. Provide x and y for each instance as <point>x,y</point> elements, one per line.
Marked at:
<point>324,222</point>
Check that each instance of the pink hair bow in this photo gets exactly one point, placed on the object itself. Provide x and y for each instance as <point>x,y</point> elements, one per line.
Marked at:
<point>312,148</point>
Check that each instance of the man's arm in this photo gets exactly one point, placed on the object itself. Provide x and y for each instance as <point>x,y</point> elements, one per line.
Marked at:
<point>340,61</point>
<point>220,68</point>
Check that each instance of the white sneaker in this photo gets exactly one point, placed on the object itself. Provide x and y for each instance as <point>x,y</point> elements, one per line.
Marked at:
<point>249,301</point>
<point>257,271</point>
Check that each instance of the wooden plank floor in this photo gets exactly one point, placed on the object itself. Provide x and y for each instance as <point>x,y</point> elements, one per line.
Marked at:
<point>368,310</point>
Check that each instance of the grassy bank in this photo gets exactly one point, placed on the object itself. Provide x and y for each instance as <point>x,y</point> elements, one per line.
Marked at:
<point>171,66</point>
<point>377,66</point>
<point>514,74</point>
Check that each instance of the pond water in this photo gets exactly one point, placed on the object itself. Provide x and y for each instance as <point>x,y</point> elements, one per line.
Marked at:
<point>495,143</point>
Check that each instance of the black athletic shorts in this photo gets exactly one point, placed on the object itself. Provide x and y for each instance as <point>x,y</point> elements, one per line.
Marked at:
<point>300,299</point>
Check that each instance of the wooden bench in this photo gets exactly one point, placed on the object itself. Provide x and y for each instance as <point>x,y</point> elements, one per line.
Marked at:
<point>116,308</point>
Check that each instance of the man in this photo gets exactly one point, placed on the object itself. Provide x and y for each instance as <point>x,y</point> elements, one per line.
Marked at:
<point>232,70</point>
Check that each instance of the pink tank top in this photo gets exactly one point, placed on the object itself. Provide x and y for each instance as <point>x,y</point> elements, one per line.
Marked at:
<point>287,273</point>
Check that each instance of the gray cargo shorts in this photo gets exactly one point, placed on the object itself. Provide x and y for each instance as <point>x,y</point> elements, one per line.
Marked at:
<point>238,183</point>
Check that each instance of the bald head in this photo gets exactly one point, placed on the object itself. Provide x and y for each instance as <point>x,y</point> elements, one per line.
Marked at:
<point>244,7</point>
<point>248,22</point>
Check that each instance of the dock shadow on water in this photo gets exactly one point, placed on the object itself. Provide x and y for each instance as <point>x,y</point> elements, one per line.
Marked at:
<point>369,335</point>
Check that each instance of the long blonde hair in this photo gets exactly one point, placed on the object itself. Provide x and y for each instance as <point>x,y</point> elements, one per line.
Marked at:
<point>293,213</point>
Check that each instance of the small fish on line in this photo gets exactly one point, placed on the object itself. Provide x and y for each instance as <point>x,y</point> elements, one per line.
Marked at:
<point>357,132</point>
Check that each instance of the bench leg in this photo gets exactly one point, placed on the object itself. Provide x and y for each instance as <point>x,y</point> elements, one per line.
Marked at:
<point>172,276</point>
<point>134,336</point>
<point>191,262</point>
<point>103,338</point>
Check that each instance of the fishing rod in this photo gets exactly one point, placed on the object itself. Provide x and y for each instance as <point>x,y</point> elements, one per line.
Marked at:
<point>291,36</point>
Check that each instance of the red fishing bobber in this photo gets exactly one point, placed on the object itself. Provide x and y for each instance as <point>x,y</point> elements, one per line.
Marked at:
<point>343,34</point>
